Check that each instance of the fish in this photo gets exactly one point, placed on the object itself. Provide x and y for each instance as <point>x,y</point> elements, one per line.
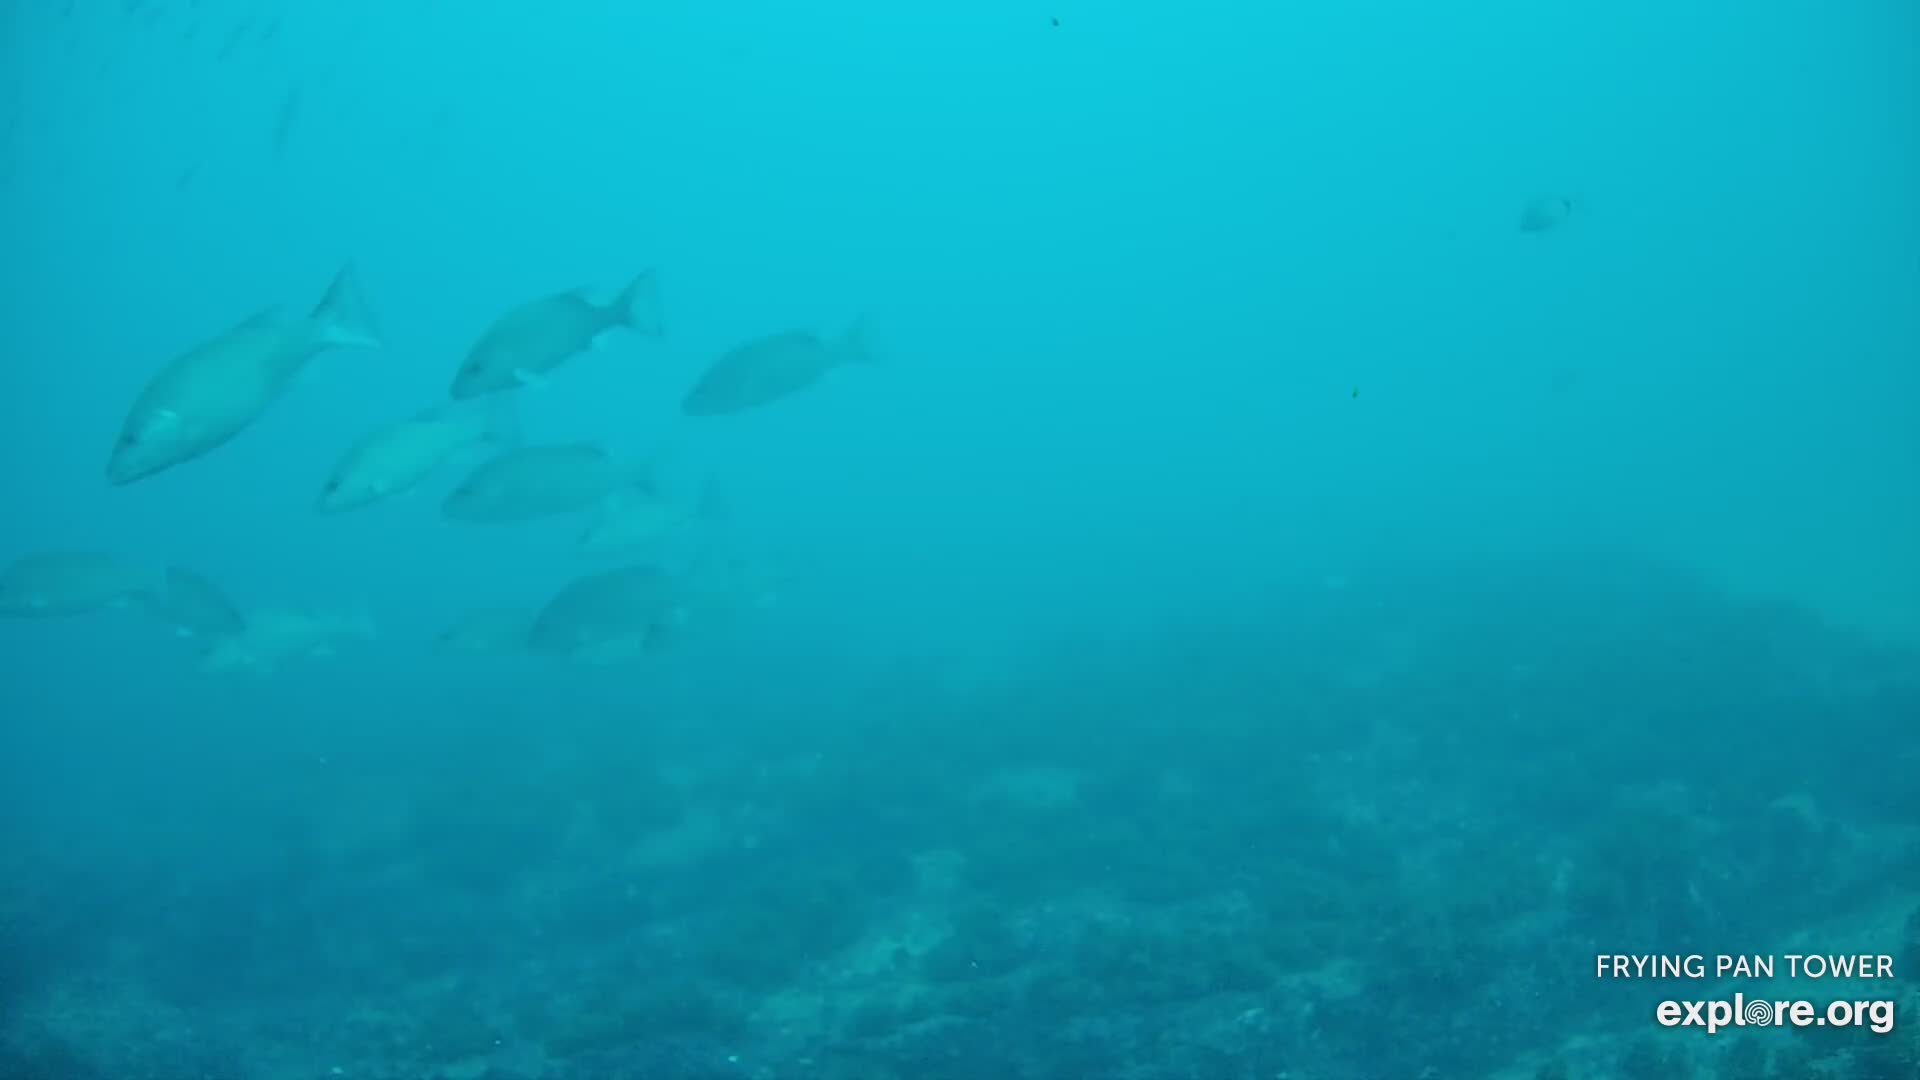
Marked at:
<point>1545,213</point>
<point>284,121</point>
<point>396,459</point>
<point>489,631</point>
<point>523,346</point>
<point>641,517</point>
<point>612,616</point>
<point>269,639</point>
<point>738,581</point>
<point>193,606</point>
<point>716,591</point>
<point>211,393</point>
<point>538,481</point>
<point>770,368</point>
<point>59,583</point>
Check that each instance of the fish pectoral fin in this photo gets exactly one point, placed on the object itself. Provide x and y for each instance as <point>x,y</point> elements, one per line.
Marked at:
<point>529,379</point>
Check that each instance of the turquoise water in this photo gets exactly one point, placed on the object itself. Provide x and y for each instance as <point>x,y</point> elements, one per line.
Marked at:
<point>1268,609</point>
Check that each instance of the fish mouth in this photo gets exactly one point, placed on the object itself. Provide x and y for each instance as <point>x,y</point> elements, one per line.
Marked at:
<point>120,473</point>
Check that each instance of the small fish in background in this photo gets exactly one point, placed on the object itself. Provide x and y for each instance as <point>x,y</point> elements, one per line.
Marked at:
<point>51,584</point>
<point>539,481</point>
<point>526,344</point>
<point>768,369</point>
<point>717,590</point>
<point>609,617</point>
<point>285,120</point>
<point>193,606</point>
<point>642,517</point>
<point>736,581</point>
<point>1545,213</point>
<point>211,393</point>
<point>488,632</point>
<point>270,639</point>
<point>396,459</point>
<point>232,41</point>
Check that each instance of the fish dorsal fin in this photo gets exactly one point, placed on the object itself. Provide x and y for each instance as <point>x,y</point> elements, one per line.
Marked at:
<point>579,294</point>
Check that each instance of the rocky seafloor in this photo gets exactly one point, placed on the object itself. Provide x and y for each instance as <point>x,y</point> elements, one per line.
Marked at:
<point>1377,831</point>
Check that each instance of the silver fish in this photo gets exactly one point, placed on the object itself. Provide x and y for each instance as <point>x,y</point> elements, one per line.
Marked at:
<point>525,344</point>
<point>193,606</point>
<point>641,517</point>
<point>397,458</point>
<point>271,638</point>
<point>54,583</point>
<point>770,368</point>
<point>211,393</point>
<point>610,616</point>
<point>540,481</point>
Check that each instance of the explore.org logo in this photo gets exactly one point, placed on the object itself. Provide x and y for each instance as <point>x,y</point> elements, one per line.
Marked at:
<point>1875,1016</point>
<point>1717,1014</point>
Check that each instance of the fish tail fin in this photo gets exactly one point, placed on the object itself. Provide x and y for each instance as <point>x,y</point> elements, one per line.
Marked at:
<point>638,305</point>
<point>853,347</point>
<point>342,317</point>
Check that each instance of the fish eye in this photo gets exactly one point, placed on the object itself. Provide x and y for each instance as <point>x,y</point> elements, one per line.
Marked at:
<point>332,486</point>
<point>128,438</point>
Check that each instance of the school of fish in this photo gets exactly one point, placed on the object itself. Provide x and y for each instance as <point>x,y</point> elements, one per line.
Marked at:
<point>209,393</point>
<point>202,398</point>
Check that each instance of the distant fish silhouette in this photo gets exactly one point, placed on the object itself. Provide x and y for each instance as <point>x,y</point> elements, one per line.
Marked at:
<point>283,125</point>
<point>1546,212</point>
